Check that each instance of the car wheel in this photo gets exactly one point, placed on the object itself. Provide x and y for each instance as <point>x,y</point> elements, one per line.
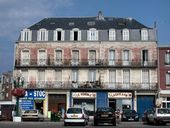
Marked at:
<point>114,123</point>
<point>65,124</point>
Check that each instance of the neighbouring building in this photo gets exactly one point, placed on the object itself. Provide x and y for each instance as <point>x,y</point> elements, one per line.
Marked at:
<point>164,75</point>
<point>6,103</point>
<point>88,62</point>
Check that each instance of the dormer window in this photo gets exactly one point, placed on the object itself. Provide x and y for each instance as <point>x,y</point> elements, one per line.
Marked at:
<point>58,35</point>
<point>125,34</point>
<point>26,35</point>
<point>42,35</point>
<point>92,34</point>
<point>112,34</point>
<point>144,34</point>
<point>75,34</point>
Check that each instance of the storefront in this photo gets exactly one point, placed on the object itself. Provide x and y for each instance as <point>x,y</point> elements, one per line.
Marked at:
<point>84,100</point>
<point>120,100</point>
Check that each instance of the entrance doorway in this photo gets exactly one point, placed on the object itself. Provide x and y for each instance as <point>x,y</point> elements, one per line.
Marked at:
<point>39,105</point>
<point>112,103</point>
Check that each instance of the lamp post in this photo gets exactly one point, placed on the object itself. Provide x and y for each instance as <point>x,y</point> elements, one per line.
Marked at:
<point>18,90</point>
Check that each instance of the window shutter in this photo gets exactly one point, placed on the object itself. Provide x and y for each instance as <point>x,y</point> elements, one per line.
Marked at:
<point>46,35</point>
<point>22,35</point>
<point>88,35</point>
<point>96,35</point>
<point>79,35</point>
<point>62,35</point>
<point>55,36</point>
<point>38,35</point>
<point>71,35</point>
<point>29,35</point>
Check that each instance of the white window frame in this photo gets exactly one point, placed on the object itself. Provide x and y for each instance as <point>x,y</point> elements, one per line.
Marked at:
<point>58,61</point>
<point>74,75</point>
<point>92,61</point>
<point>126,79</point>
<point>144,34</point>
<point>42,61</point>
<point>126,57</point>
<point>26,35</point>
<point>72,34</point>
<point>92,34</point>
<point>112,34</point>
<point>112,57</point>
<point>75,61</point>
<point>55,34</point>
<point>168,78</point>
<point>92,75</point>
<point>24,59</point>
<point>167,58</point>
<point>145,78</point>
<point>112,78</point>
<point>125,34</point>
<point>42,35</point>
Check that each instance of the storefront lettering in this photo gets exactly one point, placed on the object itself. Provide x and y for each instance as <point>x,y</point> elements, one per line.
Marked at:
<point>120,95</point>
<point>84,94</point>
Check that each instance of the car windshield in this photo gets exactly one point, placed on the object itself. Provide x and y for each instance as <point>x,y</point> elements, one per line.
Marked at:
<point>74,110</point>
<point>164,111</point>
<point>104,110</point>
<point>129,111</point>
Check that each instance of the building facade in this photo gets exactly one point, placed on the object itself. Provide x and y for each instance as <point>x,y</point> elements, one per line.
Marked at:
<point>6,103</point>
<point>164,75</point>
<point>88,62</point>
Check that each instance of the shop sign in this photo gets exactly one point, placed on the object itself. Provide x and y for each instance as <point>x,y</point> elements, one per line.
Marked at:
<point>84,95</point>
<point>120,95</point>
<point>27,104</point>
<point>35,94</point>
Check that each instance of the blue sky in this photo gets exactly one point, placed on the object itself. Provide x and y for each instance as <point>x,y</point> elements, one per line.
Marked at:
<point>18,14</point>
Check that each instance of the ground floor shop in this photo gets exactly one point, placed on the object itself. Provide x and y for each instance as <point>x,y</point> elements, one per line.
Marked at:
<point>164,98</point>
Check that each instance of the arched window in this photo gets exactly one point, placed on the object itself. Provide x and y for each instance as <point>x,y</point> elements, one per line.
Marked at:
<point>42,35</point>
<point>112,34</point>
<point>75,34</point>
<point>144,34</point>
<point>92,34</point>
<point>125,34</point>
<point>58,35</point>
<point>26,35</point>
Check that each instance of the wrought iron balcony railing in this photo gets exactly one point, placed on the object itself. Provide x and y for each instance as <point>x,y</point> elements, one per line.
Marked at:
<point>91,85</point>
<point>83,63</point>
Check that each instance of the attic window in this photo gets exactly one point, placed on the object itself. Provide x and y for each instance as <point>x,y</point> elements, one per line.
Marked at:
<point>71,24</point>
<point>52,23</point>
<point>91,23</point>
<point>121,23</point>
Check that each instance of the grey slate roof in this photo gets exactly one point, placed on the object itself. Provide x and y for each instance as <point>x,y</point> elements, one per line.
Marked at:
<point>85,23</point>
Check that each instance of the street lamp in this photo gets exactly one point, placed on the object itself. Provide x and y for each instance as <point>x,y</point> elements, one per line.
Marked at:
<point>18,90</point>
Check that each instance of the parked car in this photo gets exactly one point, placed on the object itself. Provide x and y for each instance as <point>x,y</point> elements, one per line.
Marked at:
<point>130,115</point>
<point>76,116</point>
<point>105,115</point>
<point>146,115</point>
<point>32,115</point>
<point>160,116</point>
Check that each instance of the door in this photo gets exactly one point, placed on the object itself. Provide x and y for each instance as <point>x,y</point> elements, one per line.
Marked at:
<point>102,99</point>
<point>144,102</point>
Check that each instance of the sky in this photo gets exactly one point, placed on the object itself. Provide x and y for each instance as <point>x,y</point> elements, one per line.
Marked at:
<point>16,15</point>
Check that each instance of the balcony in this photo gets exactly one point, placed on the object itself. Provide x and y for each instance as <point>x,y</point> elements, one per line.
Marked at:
<point>96,63</point>
<point>90,85</point>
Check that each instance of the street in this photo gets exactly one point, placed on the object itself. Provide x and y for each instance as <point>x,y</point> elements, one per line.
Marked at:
<point>60,125</point>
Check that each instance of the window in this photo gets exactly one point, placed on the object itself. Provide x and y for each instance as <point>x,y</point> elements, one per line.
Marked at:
<point>112,34</point>
<point>25,77</point>
<point>92,35</point>
<point>58,59</point>
<point>126,78</point>
<point>168,78</point>
<point>42,57</point>
<point>111,57</point>
<point>75,34</point>
<point>145,78</point>
<point>41,78</point>
<point>167,58</point>
<point>26,35</point>
<point>125,34</point>
<point>74,75</point>
<point>144,34</point>
<point>58,35</point>
<point>75,57</point>
<point>92,75</point>
<point>145,57</point>
<point>92,57</point>
<point>42,35</point>
<point>126,57</point>
<point>25,57</point>
<point>112,78</point>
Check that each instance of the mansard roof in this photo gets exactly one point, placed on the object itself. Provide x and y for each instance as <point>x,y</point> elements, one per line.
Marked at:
<point>85,23</point>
